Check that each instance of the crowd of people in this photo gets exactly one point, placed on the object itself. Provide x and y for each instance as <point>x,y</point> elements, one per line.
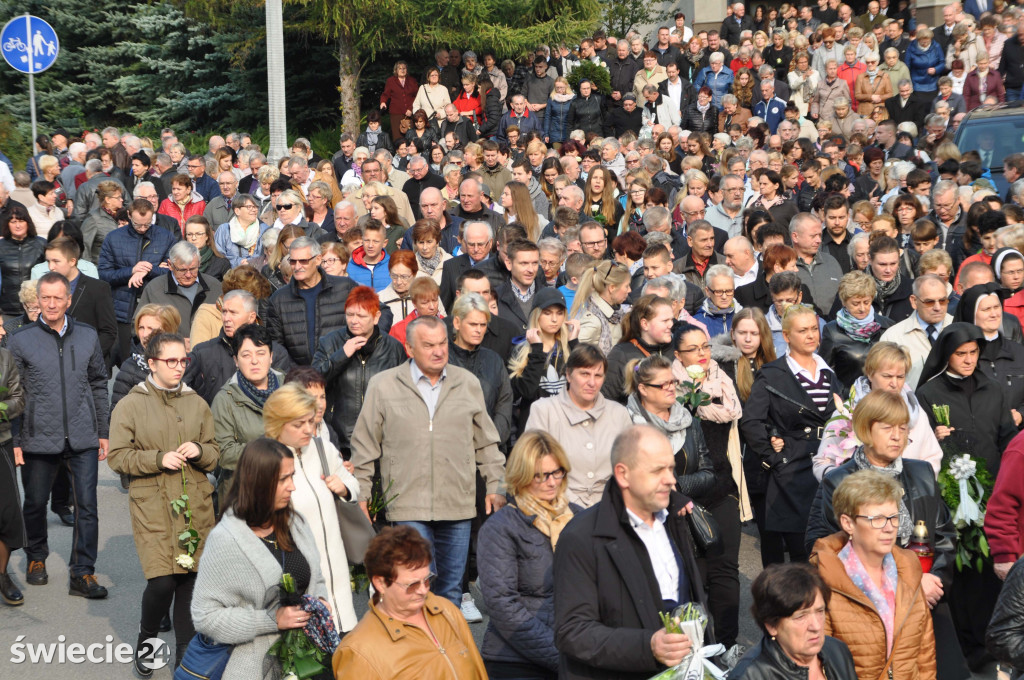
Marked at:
<point>539,334</point>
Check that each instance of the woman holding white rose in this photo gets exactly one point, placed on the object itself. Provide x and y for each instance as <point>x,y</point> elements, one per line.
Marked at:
<point>162,435</point>
<point>728,502</point>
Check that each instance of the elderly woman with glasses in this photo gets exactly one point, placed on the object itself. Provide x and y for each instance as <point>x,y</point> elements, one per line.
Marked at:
<point>515,557</point>
<point>882,608</point>
<point>408,631</point>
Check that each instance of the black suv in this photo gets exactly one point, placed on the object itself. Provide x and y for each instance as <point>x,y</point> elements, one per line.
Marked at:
<point>999,129</point>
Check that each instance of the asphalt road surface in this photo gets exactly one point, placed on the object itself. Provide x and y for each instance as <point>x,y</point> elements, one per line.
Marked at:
<point>49,612</point>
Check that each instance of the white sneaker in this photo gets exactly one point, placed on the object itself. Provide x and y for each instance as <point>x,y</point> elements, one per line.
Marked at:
<point>469,610</point>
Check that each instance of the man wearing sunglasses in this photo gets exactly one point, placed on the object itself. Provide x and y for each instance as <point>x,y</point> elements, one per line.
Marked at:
<point>184,287</point>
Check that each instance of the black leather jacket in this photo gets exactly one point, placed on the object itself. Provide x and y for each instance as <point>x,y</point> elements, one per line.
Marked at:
<point>16,261</point>
<point>767,661</point>
<point>348,376</point>
<point>1005,636</point>
<point>488,367</point>
<point>923,502</point>
<point>846,355</point>
<point>586,114</point>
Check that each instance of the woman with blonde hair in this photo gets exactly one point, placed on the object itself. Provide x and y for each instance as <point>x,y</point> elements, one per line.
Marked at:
<point>515,199</point>
<point>515,559</point>
<point>602,290</point>
<point>149,320</point>
<point>321,479</point>
<point>265,176</point>
<point>277,257</point>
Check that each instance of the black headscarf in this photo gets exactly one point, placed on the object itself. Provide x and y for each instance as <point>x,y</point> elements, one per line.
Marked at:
<point>950,339</point>
<point>969,300</point>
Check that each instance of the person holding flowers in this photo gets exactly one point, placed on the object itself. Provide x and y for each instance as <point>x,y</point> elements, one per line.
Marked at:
<point>162,435</point>
<point>971,415</point>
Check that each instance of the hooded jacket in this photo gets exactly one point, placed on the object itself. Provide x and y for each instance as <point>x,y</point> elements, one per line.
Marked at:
<point>978,409</point>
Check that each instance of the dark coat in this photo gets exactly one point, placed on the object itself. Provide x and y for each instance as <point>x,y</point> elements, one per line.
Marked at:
<point>499,338</point>
<point>164,291</point>
<point>618,120</point>
<point>133,370</point>
<point>586,114</point>
<point>489,368</point>
<point>286,315</point>
<point>924,502</point>
<point>451,270</point>
<point>509,307</point>
<point>897,306</point>
<point>767,661</point>
<point>608,596</point>
<point>91,304</point>
<point>123,249</point>
<point>492,114</point>
<point>65,407</point>
<point>757,294</point>
<point>846,355</point>
<point>979,408</point>
<point>622,353</point>
<point>213,364</point>
<point>515,561</point>
<point>16,261</point>
<point>695,121</point>
<point>1003,359</point>
<point>348,376</point>
<point>1004,638</point>
<point>778,406</point>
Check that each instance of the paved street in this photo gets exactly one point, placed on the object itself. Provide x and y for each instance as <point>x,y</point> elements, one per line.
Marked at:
<point>49,612</point>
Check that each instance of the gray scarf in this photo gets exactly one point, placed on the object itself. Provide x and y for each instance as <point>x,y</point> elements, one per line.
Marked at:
<point>894,469</point>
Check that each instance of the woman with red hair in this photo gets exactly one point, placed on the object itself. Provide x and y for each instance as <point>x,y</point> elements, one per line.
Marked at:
<point>350,356</point>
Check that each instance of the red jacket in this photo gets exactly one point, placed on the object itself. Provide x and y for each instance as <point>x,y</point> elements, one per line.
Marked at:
<point>399,99</point>
<point>192,208</point>
<point>468,104</point>
<point>1004,515</point>
<point>1015,305</point>
<point>849,74</point>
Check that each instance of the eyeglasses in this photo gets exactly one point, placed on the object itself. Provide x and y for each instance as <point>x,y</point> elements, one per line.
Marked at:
<point>670,385</point>
<point>186,270</point>
<point>302,261</point>
<point>594,244</point>
<point>934,301</point>
<point>411,588</point>
<point>401,277</point>
<point>722,291</point>
<point>247,206</point>
<point>174,362</point>
<point>285,206</point>
<point>557,475</point>
<point>330,261</point>
<point>702,349</point>
<point>879,521</point>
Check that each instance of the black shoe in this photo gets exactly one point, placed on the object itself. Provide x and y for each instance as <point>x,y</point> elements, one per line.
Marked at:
<point>37,575</point>
<point>165,623</point>
<point>87,587</point>
<point>67,518</point>
<point>140,659</point>
<point>9,592</point>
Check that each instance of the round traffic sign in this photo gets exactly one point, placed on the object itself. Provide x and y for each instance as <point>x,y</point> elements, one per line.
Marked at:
<point>29,44</point>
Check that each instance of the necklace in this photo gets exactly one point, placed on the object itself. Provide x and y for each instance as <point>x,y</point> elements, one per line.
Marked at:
<point>272,542</point>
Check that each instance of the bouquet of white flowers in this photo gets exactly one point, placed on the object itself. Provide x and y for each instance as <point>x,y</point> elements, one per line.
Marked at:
<point>692,620</point>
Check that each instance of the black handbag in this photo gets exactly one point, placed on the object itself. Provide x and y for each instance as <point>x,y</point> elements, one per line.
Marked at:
<point>356,530</point>
<point>704,529</point>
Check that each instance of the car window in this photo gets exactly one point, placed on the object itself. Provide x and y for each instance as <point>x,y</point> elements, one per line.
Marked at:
<point>1003,136</point>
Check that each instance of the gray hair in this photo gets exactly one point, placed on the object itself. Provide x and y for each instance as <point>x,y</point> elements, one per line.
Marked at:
<point>383,156</point>
<point>574,192</point>
<point>716,58</point>
<point>611,141</point>
<point>183,252</point>
<point>902,82</point>
<point>923,279</point>
<point>851,247</point>
<point>675,284</point>
<point>470,302</point>
<point>323,187</point>
<point>242,200</point>
<point>655,238</point>
<point>305,242</point>
<point>76,148</point>
<point>247,298</point>
<point>1017,188</point>
<point>94,165</point>
<point>767,71</point>
<point>552,245</point>
<point>943,187</point>
<point>428,321</point>
<point>469,223</point>
<point>717,270</point>
<point>656,217</point>
<point>142,185</point>
<point>418,161</point>
<point>729,99</point>
<point>802,219</point>
<point>298,161</point>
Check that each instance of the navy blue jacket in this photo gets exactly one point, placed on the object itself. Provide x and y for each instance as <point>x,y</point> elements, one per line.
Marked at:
<point>207,187</point>
<point>121,250</point>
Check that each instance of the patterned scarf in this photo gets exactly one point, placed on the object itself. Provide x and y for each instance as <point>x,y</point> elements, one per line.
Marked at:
<point>894,470</point>
<point>428,266</point>
<point>258,396</point>
<point>604,342</point>
<point>548,518</point>
<point>884,597</point>
<point>860,330</point>
<point>885,289</point>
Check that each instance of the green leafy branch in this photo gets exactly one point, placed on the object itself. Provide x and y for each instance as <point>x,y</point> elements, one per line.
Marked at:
<point>298,655</point>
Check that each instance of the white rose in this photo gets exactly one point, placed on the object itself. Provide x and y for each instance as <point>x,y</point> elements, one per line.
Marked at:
<point>696,372</point>
<point>185,561</point>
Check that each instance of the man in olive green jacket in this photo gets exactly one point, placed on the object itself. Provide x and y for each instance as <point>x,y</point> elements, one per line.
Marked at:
<point>426,422</point>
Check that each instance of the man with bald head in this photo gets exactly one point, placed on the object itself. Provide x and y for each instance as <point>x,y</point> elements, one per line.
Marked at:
<point>433,206</point>
<point>635,540</point>
<point>219,211</point>
<point>471,204</point>
<point>216,144</point>
<point>740,257</point>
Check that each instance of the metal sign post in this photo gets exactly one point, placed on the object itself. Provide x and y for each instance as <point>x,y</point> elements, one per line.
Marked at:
<point>37,53</point>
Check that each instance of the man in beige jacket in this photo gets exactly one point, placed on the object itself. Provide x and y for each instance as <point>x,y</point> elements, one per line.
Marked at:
<point>425,421</point>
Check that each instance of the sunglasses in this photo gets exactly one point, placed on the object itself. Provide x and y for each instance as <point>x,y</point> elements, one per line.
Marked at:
<point>285,206</point>
<point>301,261</point>
<point>412,588</point>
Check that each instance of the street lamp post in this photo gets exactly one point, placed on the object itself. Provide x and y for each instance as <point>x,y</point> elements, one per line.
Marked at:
<point>275,82</point>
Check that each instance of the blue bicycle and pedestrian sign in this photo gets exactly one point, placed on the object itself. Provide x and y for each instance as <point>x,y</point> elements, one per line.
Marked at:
<point>29,44</point>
